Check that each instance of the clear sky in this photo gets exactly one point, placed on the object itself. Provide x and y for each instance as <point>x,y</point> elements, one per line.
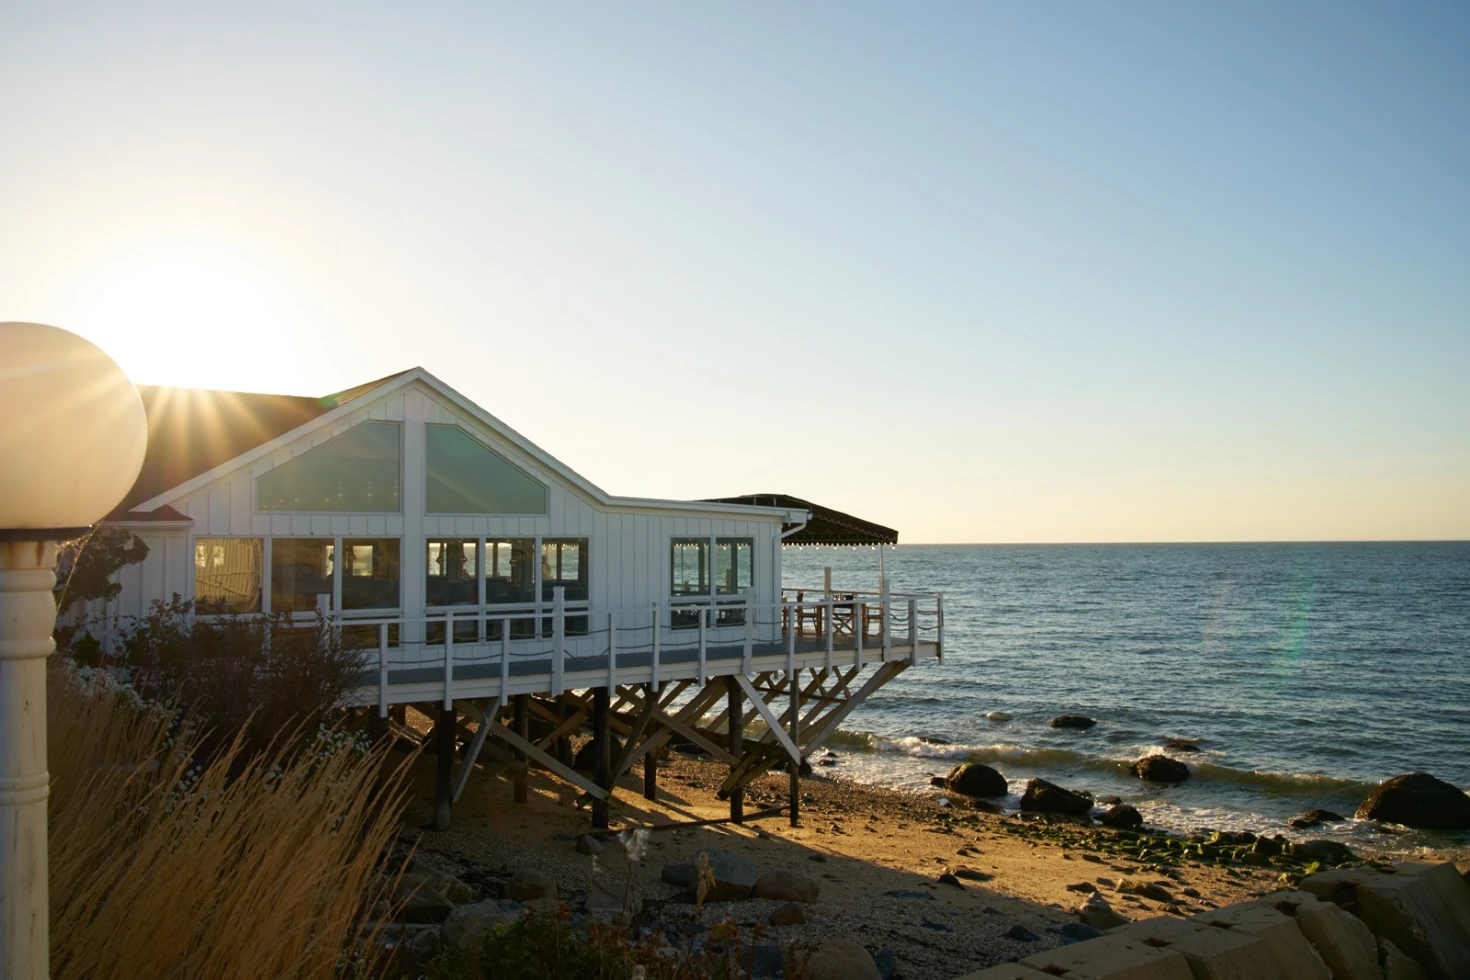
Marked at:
<point>1022,271</point>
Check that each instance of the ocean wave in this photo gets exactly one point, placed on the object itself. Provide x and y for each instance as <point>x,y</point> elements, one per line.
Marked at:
<point>1201,768</point>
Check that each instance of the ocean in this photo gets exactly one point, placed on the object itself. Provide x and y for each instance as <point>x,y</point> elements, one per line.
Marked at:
<point>1304,674</point>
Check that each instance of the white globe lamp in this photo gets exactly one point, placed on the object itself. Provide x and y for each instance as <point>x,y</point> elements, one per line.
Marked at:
<point>72,442</point>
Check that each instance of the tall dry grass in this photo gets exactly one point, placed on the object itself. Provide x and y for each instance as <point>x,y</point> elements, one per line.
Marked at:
<point>236,870</point>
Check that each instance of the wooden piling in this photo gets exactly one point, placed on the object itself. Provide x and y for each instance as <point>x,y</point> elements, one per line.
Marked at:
<point>602,742</point>
<point>735,712</point>
<point>522,727</point>
<point>444,732</point>
<point>795,808</point>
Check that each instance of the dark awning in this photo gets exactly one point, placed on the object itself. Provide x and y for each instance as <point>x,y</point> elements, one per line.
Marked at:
<point>827,526</point>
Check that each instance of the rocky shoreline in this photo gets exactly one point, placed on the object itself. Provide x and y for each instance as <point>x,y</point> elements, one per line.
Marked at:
<point>931,887</point>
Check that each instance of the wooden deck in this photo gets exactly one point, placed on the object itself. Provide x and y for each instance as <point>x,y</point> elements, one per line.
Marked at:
<point>799,671</point>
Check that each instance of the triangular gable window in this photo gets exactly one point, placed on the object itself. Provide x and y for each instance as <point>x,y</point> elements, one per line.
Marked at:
<point>463,477</point>
<point>357,472</point>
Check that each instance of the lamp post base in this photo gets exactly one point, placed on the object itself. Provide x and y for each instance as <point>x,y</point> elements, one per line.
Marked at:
<point>27,617</point>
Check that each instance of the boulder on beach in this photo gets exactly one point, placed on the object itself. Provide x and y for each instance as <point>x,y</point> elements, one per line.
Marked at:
<point>974,779</point>
<point>1121,816</point>
<point>1044,797</point>
<point>734,877</point>
<point>1072,721</point>
<point>835,959</point>
<point>1160,769</point>
<point>530,886</point>
<point>786,886</point>
<point>1418,800</point>
<point>1326,851</point>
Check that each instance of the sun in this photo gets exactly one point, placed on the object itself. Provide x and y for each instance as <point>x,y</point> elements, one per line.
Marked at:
<point>185,315</point>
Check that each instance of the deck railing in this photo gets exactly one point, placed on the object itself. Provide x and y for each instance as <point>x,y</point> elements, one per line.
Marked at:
<point>857,624</point>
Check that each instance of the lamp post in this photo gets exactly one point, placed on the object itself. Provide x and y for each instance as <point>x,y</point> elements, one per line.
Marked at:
<point>72,437</point>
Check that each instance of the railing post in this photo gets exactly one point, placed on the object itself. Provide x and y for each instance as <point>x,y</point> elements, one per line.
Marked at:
<point>612,651</point>
<point>883,630</point>
<point>827,623</point>
<point>745,661</point>
<point>382,670</point>
<point>448,660</point>
<point>913,630</point>
<point>658,622</point>
<point>703,680</point>
<point>504,659</point>
<point>858,608</point>
<point>939,626</point>
<point>558,640</point>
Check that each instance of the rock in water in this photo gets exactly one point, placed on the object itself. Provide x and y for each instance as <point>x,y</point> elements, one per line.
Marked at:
<point>1418,800</point>
<point>998,716</point>
<point>1181,745</point>
<point>1314,817</point>
<point>1072,721</point>
<point>1160,769</point>
<point>1122,815</point>
<point>973,779</point>
<point>1045,797</point>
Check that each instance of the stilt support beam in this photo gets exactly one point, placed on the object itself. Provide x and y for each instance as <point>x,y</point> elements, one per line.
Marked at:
<point>521,719</point>
<point>735,716</point>
<point>794,809</point>
<point>602,741</point>
<point>444,774</point>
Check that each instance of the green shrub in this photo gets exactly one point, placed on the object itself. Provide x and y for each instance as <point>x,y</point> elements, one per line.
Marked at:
<point>272,672</point>
<point>548,945</point>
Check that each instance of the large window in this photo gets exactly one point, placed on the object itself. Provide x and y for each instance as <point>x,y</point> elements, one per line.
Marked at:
<point>453,576</point>
<point>301,570</point>
<point>689,565</point>
<point>464,477</point>
<point>690,574</point>
<point>564,564</point>
<point>356,472</point>
<point>452,579</point>
<point>370,573</point>
<point>227,575</point>
<point>733,574</point>
<point>510,571</point>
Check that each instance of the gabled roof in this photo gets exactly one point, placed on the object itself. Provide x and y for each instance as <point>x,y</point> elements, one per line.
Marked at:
<point>196,436</point>
<point>825,526</point>
<point>193,430</point>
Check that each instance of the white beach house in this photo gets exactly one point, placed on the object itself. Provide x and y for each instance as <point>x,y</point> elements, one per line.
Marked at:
<point>474,569</point>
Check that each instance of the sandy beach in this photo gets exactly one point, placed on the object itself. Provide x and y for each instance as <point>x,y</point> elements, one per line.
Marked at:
<point>877,855</point>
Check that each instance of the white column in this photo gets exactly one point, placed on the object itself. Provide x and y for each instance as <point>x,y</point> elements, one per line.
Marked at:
<point>27,616</point>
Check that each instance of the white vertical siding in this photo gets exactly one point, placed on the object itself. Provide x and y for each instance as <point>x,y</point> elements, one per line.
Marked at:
<point>628,547</point>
